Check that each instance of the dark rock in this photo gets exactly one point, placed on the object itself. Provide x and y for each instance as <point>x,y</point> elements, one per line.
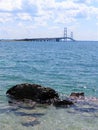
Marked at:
<point>77,95</point>
<point>33,92</point>
<point>62,103</point>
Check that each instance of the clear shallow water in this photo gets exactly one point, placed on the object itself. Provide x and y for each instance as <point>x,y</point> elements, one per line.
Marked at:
<point>66,67</point>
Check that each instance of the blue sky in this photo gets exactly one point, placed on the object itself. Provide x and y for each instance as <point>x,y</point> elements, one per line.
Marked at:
<point>47,18</point>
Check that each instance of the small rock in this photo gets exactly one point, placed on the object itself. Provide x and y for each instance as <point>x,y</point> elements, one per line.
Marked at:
<point>62,103</point>
<point>75,95</point>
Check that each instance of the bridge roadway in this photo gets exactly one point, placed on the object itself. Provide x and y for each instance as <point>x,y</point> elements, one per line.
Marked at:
<point>57,39</point>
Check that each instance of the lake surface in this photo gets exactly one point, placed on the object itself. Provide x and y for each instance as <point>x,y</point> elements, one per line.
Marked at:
<point>64,66</point>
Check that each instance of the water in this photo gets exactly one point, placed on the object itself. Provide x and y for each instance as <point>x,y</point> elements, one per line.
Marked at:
<point>66,67</point>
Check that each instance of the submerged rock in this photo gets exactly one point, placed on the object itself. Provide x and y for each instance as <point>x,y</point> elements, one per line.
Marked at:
<point>62,103</point>
<point>77,95</point>
<point>33,92</point>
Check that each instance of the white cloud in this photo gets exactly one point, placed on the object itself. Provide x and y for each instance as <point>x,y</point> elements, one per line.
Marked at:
<point>5,17</point>
<point>59,12</point>
<point>47,13</point>
<point>24,16</point>
<point>9,5</point>
<point>65,11</point>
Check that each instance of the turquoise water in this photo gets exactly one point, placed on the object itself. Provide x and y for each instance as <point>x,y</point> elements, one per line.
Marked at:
<point>66,67</point>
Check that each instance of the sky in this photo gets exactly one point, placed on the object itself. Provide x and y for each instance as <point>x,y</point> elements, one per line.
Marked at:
<point>48,18</point>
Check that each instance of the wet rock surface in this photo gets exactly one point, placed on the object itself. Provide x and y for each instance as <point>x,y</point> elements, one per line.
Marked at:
<point>77,95</point>
<point>34,92</point>
<point>62,103</point>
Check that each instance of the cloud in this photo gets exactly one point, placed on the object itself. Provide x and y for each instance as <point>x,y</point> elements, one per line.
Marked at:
<point>9,5</point>
<point>5,17</point>
<point>26,14</point>
<point>85,1</point>
<point>63,11</point>
<point>46,11</point>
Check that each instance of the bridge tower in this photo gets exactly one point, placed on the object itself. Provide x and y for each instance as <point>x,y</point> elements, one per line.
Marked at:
<point>71,35</point>
<point>65,34</point>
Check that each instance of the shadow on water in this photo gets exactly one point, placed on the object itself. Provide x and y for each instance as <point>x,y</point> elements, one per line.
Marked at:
<point>7,110</point>
<point>31,123</point>
<point>17,113</point>
<point>85,108</point>
<point>31,118</point>
<point>88,110</point>
<point>24,111</point>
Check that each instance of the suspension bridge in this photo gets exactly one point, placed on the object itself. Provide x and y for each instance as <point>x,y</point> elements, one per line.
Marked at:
<point>64,38</point>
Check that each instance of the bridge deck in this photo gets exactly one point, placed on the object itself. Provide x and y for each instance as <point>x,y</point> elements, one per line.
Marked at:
<point>57,39</point>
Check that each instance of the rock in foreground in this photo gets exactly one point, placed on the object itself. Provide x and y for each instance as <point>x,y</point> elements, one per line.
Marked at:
<point>38,94</point>
<point>34,92</point>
